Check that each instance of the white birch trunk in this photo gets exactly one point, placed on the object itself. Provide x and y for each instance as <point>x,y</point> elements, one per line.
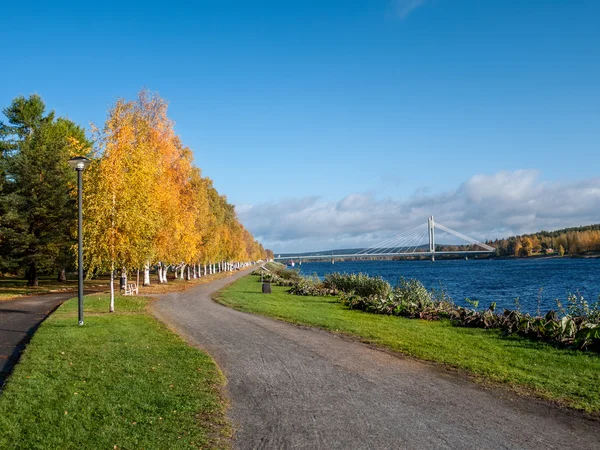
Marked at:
<point>162,273</point>
<point>111,308</point>
<point>147,274</point>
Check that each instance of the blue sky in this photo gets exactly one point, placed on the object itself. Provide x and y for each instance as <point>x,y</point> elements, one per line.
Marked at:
<point>305,112</point>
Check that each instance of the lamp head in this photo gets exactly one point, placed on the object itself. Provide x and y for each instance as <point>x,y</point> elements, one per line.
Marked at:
<point>79,162</point>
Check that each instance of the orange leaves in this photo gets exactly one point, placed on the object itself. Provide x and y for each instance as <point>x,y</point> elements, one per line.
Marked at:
<point>145,200</point>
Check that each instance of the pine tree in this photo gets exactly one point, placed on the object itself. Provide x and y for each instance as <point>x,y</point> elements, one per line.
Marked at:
<point>37,208</point>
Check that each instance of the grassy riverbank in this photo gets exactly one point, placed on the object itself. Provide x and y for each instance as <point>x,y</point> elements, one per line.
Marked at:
<point>121,381</point>
<point>567,376</point>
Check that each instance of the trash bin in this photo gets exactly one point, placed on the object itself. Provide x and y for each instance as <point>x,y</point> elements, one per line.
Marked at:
<point>266,287</point>
<point>122,283</point>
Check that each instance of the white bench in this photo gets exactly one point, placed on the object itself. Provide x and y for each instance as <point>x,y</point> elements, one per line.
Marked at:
<point>131,289</point>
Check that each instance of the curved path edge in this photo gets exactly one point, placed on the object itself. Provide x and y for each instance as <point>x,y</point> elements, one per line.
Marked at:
<point>297,387</point>
<point>19,320</point>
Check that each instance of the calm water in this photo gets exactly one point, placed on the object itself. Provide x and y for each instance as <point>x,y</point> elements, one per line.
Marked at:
<point>488,281</point>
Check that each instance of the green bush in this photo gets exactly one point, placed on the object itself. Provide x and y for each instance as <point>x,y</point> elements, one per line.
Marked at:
<point>578,325</point>
<point>357,283</point>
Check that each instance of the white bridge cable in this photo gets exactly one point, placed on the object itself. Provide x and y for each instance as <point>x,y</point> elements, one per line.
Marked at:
<point>466,238</point>
<point>393,241</point>
<point>403,243</point>
<point>415,244</point>
<point>421,241</point>
<point>409,241</point>
<point>386,248</point>
<point>413,241</point>
<point>365,250</point>
<point>397,240</point>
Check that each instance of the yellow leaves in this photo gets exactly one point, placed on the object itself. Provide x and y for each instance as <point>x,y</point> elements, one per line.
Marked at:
<point>145,200</point>
<point>76,148</point>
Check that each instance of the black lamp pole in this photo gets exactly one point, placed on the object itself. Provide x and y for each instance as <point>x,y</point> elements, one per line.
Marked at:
<point>79,163</point>
<point>80,244</point>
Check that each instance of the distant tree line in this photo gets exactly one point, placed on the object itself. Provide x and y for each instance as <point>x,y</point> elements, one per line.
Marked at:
<point>574,241</point>
<point>145,203</point>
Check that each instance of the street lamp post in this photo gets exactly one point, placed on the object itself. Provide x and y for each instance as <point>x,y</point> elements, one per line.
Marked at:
<point>79,163</point>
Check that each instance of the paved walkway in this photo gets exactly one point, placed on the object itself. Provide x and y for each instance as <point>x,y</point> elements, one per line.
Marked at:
<point>18,321</point>
<point>293,387</point>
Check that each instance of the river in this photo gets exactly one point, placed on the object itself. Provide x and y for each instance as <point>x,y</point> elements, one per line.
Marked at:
<point>533,281</point>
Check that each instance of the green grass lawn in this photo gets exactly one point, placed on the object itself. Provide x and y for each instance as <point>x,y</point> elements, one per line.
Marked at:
<point>14,287</point>
<point>567,376</point>
<point>122,381</point>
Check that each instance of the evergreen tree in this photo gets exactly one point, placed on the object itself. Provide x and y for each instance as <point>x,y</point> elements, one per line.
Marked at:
<point>37,208</point>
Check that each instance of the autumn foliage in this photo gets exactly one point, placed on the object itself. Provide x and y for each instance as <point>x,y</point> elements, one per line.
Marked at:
<point>146,204</point>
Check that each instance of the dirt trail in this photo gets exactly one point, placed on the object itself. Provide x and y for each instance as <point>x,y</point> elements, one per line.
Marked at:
<point>292,387</point>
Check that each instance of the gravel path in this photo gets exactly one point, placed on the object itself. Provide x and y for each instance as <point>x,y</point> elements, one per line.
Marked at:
<point>292,387</point>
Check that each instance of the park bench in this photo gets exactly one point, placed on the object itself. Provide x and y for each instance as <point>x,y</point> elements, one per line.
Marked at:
<point>131,289</point>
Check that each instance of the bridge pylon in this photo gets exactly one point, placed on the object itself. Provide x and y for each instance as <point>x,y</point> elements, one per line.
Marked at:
<point>431,230</point>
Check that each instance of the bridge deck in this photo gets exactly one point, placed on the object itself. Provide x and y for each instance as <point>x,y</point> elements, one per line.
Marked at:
<point>361,255</point>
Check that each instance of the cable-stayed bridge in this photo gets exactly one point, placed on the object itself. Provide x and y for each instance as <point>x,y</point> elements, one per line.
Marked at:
<point>418,241</point>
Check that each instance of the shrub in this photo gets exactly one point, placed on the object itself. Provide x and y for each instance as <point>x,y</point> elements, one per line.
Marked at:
<point>290,274</point>
<point>308,287</point>
<point>359,284</point>
<point>577,327</point>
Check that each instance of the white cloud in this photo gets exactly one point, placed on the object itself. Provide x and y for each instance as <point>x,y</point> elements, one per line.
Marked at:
<point>404,7</point>
<point>485,206</point>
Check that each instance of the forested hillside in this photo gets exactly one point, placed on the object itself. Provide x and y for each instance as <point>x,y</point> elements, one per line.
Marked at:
<point>574,241</point>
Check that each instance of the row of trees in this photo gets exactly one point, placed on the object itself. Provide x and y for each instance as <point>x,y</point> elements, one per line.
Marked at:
<point>145,203</point>
<point>574,241</point>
